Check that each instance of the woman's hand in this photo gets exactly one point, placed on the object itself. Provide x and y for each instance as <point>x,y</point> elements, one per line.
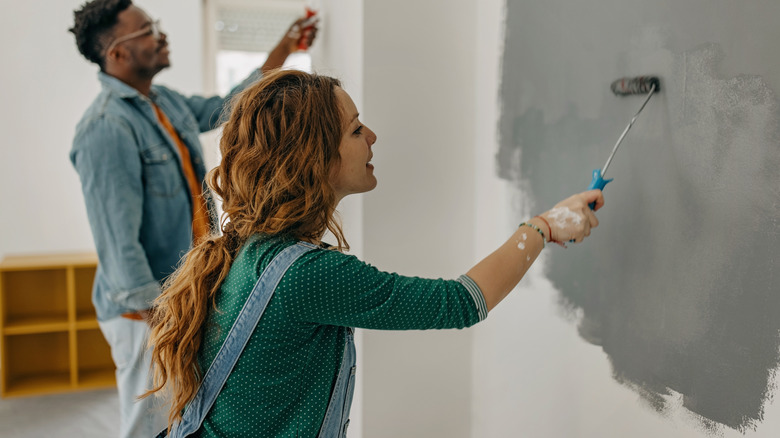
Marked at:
<point>571,219</point>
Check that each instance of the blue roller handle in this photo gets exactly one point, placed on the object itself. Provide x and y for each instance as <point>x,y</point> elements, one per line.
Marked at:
<point>597,183</point>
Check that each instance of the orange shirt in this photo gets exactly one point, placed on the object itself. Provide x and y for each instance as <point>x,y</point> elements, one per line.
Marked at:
<point>201,223</point>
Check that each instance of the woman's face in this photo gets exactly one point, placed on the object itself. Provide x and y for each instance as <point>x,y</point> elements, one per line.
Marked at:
<point>354,173</point>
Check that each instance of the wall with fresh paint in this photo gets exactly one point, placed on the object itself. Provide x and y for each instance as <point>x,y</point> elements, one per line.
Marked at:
<point>665,322</point>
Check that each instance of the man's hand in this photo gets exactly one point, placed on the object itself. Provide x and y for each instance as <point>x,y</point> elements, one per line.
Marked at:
<point>300,34</point>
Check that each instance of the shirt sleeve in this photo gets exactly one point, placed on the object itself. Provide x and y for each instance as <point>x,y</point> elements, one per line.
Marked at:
<point>212,111</point>
<point>327,287</point>
<point>107,161</point>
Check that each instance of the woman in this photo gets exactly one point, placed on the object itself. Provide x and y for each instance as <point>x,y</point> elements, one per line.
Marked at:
<point>292,148</point>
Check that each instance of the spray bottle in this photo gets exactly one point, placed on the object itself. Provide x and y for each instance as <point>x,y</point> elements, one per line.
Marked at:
<point>306,28</point>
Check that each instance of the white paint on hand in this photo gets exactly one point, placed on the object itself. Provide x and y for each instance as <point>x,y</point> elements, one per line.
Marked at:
<point>564,217</point>
<point>521,245</point>
<point>525,236</point>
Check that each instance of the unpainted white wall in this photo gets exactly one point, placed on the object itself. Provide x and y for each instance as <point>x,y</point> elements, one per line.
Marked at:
<point>419,79</point>
<point>339,53</point>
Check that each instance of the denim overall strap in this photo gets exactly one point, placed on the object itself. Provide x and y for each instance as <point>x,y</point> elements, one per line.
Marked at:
<point>337,415</point>
<point>236,340</point>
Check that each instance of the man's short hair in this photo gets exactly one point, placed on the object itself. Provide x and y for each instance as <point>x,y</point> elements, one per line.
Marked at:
<point>92,25</point>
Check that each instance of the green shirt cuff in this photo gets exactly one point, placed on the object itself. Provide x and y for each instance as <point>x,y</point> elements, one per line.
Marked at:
<point>476,295</point>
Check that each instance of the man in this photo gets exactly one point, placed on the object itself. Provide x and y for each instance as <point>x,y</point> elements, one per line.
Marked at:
<point>137,153</point>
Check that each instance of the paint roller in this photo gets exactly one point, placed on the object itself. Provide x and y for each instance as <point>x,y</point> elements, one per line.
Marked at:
<point>625,87</point>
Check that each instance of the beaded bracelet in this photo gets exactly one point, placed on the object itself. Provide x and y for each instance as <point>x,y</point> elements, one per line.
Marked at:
<point>539,230</point>
<point>549,228</point>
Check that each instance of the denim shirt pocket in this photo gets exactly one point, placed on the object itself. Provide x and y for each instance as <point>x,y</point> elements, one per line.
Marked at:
<point>161,173</point>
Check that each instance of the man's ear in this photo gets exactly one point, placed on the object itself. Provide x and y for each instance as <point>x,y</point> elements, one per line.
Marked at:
<point>116,55</point>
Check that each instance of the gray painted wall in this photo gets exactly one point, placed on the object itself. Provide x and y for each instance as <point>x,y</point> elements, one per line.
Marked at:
<point>679,285</point>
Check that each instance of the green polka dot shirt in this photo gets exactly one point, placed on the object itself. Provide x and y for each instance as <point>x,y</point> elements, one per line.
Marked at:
<point>282,382</point>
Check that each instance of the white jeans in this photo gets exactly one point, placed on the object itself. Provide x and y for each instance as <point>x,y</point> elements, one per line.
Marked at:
<point>138,418</point>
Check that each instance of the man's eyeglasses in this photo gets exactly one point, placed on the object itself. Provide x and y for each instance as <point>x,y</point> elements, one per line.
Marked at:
<point>153,30</point>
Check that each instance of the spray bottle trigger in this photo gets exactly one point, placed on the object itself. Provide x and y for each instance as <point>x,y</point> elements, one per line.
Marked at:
<point>597,183</point>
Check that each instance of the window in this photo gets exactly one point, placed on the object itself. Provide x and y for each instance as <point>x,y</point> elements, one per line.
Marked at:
<point>238,35</point>
<point>241,33</point>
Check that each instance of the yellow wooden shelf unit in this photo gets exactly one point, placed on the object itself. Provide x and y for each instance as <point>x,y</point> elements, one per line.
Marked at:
<point>49,336</point>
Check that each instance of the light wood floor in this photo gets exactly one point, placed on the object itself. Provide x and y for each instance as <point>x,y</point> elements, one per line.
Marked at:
<point>73,415</point>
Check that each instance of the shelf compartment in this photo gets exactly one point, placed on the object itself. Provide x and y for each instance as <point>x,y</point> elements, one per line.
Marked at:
<point>34,295</point>
<point>50,340</point>
<point>95,367</point>
<point>84,276</point>
<point>97,378</point>
<point>40,384</point>
<point>36,364</point>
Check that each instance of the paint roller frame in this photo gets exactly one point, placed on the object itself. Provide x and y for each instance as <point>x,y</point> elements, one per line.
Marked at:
<point>625,87</point>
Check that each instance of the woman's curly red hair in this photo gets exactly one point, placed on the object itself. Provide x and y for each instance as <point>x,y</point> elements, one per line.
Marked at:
<point>278,148</point>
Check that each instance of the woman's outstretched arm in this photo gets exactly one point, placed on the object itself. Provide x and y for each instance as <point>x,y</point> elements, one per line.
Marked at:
<point>569,221</point>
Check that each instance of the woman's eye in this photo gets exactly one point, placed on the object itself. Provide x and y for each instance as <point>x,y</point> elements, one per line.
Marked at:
<point>359,130</point>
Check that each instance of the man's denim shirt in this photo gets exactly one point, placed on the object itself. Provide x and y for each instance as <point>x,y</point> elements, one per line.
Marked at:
<point>138,202</point>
